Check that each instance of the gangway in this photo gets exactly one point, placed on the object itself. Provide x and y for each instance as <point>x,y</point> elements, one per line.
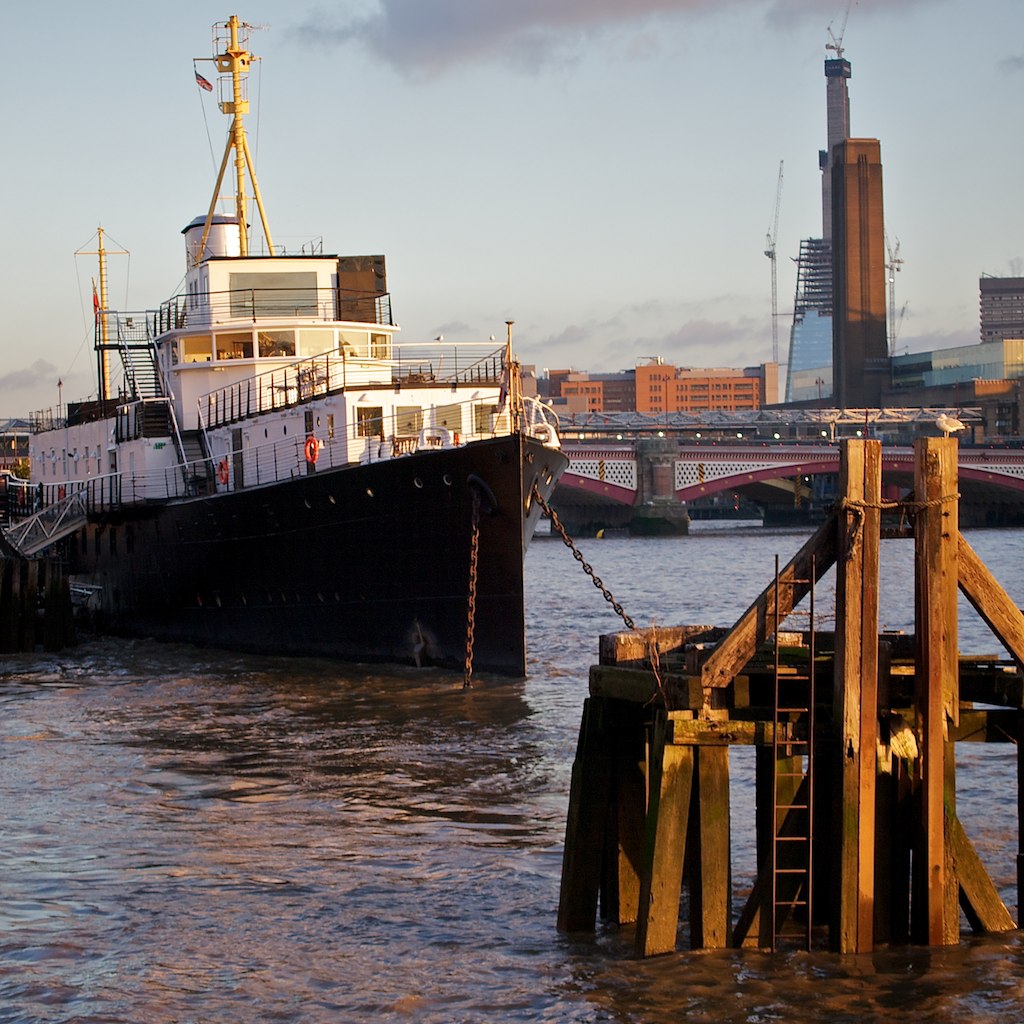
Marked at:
<point>31,536</point>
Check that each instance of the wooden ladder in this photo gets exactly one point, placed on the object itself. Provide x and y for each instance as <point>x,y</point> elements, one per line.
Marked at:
<point>792,782</point>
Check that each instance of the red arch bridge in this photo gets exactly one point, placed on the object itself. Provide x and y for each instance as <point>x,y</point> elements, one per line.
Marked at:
<point>661,482</point>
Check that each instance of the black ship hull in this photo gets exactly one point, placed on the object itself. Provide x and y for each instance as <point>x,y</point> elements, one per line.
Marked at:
<point>362,563</point>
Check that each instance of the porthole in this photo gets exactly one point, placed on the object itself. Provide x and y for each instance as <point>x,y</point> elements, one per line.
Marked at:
<point>305,501</point>
<point>418,483</point>
<point>447,478</point>
<point>369,492</point>
<point>330,498</point>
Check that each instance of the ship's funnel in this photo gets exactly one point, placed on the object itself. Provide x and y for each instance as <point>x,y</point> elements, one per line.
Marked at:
<point>222,240</point>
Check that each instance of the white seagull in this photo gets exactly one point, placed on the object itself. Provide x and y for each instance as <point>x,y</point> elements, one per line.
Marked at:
<point>948,424</point>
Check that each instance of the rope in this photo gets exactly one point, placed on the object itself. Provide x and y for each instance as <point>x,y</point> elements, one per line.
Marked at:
<point>857,504</point>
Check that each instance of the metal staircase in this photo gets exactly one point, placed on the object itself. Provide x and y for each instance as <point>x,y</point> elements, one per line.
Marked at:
<point>141,372</point>
<point>196,458</point>
<point>793,785</point>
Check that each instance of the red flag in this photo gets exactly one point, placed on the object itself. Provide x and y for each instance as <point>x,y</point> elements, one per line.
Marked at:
<point>95,301</point>
<point>203,83</point>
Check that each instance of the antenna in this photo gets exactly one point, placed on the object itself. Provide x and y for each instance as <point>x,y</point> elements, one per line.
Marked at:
<point>837,41</point>
<point>769,251</point>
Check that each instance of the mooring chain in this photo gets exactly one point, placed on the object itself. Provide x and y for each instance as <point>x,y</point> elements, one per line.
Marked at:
<point>474,554</point>
<point>570,544</point>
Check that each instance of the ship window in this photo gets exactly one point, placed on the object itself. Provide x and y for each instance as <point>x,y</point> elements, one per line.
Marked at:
<point>353,342</point>
<point>370,421</point>
<point>197,350</point>
<point>234,346</point>
<point>380,347</point>
<point>484,417</point>
<point>313,343</point>
<point>330,425</point>
<point>449,416</point>
<point>408,420</point>
<point>291,294</point>
<point>276,343</point>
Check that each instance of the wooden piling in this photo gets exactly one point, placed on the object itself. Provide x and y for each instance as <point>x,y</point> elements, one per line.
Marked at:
<point>665,836</point>
<point>25,620</point>
<point>936,918</point>
<point>649,808</point>
<point>855,692</point>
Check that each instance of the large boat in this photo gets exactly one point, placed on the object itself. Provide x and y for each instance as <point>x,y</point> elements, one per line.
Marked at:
<point>266,467</point>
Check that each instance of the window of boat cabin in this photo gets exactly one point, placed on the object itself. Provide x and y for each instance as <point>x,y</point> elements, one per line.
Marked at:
<point>197,349</point>
<point>449,416</point>
<point>370,421</point>
<point>314,343</point>
<point>484,416</point>
<point>286,294</point>
<point>408,420</point>
<point>234,346</point>
<point>380,346</point>
<point>353,342</point>
<point>276,343</point>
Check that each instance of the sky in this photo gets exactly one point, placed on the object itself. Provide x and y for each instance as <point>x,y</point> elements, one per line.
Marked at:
<point>602,172</point>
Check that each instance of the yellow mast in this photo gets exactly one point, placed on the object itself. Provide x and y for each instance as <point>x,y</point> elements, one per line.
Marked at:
<point>101,312</point>
<point>104,327</point>
<point>235,61</point>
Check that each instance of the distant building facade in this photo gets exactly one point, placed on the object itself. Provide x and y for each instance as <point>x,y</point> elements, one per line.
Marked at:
<point>1002,307</point>
<point>809,370</point>
<point>663,388</point>
<point>860,354</point>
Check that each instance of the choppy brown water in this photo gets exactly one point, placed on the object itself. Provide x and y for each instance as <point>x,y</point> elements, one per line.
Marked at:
<point>190,835</point>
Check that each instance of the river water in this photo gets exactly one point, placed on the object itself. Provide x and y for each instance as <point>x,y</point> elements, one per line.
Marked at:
<point>190,835</point>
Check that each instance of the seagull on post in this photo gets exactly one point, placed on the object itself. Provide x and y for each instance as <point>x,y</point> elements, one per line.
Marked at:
<point>948,424</point>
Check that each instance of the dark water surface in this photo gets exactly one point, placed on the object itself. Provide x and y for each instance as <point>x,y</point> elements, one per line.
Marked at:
<point>189,835</point>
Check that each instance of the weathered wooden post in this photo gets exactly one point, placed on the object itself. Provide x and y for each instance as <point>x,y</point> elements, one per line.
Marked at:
<point>935,917</point>
<point>665,838</point>
<point>586,822</point>
<point>855,692</point>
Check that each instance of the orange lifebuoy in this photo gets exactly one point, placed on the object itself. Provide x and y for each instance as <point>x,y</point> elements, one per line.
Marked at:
<point>455,439</point>
<point>222,471</point>
<point>312,449</point>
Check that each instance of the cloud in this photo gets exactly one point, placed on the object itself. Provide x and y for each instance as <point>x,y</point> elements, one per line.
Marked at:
<point>39,373</point>
<point>420,38</point>
<point>677,333</point>
<point>1012,64</point>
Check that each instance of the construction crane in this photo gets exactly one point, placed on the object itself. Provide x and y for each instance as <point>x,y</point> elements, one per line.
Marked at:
<point>837,41</point>
<point>769,251</point>
<point>892,267</point>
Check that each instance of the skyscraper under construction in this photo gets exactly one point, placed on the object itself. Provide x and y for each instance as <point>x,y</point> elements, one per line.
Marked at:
<point>809,368</point>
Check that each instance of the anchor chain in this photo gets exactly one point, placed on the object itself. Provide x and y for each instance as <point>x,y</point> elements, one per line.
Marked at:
<point>570,544</point>
<point>474,554</point>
